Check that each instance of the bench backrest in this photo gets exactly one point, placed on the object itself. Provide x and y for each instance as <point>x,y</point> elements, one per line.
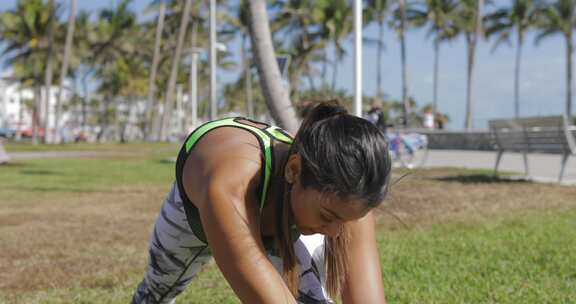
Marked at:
<point>549,134</point>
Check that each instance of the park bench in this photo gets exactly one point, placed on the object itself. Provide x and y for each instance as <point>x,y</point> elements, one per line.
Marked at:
<point>549,134</point>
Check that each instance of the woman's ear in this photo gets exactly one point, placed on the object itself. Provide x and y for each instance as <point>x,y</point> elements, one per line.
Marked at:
<point>293,166</point>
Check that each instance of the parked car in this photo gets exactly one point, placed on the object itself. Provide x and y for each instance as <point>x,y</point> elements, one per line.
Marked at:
<point>7,133</point>
<point>27,133</point>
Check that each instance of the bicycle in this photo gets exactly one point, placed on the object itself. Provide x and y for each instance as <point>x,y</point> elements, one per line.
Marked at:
<point>408,150</point>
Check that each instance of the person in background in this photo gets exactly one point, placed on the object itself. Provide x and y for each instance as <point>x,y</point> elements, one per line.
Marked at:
<point>376,116</point>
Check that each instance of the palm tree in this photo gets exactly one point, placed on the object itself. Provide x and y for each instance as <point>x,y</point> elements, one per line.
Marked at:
<point>518,18</point>
<point>469,22</point>
<point>154,69</point>
<point>275,94</point>
<point>400,23</point>
<point>240,22</point>
<point>169,102</point>
<point>114,45</point>
<point>378,10</point>
<point>559,17</point>
<point>24,31</point>
<point>336,24</point>
<point>303,39</point>
<point>64,71</point>
<point>439,13</point>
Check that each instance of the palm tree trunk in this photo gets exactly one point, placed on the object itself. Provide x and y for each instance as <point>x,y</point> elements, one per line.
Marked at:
<point>20,113</point>
<point>436,68</point>
<point>84,102</point>
<point>324,68</point>
<point>273,90</point>
<point>405,101</point>
<point>517,75</point>
<point>64,71</point>
<point>472,39</point>
<point>152,104</point>
<point>334,68</point>
<point>49,70</point>
<point>380,91</point>
<point>36,113</point>
<point>469,83</point>
<point>247,78</point>
<point>569,51</point>
<point>311,82</point>
<point>166,117</point>
<point>104,118</point>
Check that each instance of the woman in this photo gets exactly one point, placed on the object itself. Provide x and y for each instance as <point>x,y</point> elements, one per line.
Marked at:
<point>287,221</point>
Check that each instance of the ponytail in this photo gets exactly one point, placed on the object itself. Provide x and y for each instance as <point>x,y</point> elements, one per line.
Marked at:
<point>320,111</point>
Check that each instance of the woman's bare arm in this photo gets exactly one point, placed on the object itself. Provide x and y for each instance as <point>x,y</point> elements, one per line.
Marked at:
<point>364,278</point>
<point>220,178</point>
<point>235,242</point>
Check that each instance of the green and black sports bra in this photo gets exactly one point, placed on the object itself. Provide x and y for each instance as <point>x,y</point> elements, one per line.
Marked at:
<point>265,138</point>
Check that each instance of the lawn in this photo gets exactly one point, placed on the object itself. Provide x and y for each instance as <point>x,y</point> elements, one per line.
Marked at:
<point>75,230</point>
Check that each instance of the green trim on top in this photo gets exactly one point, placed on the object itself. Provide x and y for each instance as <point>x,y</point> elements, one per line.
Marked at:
<point>279,134</point>
<point>264,139</point>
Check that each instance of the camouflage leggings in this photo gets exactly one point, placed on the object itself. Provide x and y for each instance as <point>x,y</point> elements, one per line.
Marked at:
<point>177,255</point>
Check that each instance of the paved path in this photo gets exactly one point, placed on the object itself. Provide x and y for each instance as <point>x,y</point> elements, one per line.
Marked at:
<point>543,167</point>
<point>60,154</point>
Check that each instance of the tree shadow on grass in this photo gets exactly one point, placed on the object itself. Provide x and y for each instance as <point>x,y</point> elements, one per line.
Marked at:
<point>14,164</point>
<point>483,179</point>
<point>39,172</point>
<point>43,189</point>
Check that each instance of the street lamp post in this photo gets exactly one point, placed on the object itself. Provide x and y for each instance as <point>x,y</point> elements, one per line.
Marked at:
<point>193,93</point>
<point>358,58</point>
<point>213,100</point>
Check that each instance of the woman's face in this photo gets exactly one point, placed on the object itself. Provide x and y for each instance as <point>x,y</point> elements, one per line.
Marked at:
<point>317,212</point>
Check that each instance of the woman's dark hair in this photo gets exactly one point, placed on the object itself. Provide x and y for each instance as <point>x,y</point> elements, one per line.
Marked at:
<point>344,155</point>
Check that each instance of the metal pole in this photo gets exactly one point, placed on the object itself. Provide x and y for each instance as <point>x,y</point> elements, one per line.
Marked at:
<point>213,101</point>
<point>358,58</point>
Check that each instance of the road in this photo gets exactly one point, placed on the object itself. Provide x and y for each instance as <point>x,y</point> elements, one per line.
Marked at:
<point>542,167</point>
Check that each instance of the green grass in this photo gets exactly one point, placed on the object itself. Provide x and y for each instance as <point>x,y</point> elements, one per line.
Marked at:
<point>76,230</point>
<point>520,259</point>
<point>25,180</point>
<point>13,146</point>
<point>83,175</point>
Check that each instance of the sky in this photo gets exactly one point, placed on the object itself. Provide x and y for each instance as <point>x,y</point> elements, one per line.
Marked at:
<point>542,84</point>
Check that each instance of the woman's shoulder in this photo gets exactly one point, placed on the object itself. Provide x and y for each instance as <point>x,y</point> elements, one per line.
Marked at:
<point>226,142</point>
<point>224,156</point>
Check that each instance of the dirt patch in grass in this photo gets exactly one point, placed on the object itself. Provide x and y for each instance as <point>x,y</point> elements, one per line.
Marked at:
<point>63,242</point>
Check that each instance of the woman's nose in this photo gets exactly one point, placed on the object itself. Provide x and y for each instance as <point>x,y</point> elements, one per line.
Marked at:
<point>332,230</point>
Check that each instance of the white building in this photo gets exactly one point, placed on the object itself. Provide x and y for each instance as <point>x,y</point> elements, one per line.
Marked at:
<point>16,106</point>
